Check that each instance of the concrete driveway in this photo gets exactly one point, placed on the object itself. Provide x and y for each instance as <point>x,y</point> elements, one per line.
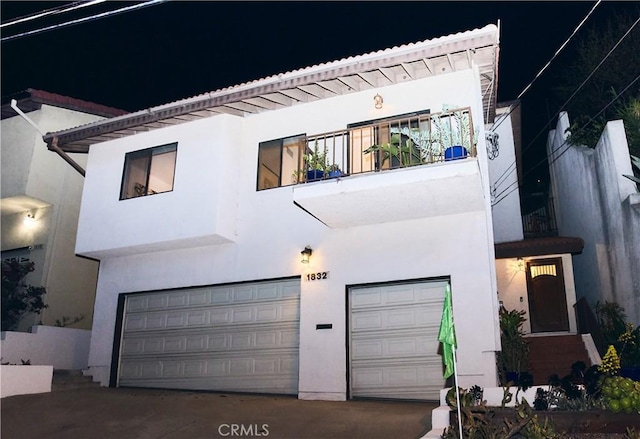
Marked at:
<point>145,414</point>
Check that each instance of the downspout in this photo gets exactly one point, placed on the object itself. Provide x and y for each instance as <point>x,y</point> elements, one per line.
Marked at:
<point>54,143</point>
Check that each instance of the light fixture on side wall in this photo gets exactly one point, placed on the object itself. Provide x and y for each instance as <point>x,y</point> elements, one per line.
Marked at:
<point>377,99</point>
<point>306,254</point>
<point>29,219</point>
<point>520,263</point>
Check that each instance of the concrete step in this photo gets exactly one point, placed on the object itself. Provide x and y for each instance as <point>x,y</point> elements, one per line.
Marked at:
<point>71,380</point>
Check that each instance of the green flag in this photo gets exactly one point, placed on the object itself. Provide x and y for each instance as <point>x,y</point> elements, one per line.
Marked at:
<point>447,334</point>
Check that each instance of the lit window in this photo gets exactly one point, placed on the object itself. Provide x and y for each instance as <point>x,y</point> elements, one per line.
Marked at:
<point>149,171</point>
<point>539,270</point>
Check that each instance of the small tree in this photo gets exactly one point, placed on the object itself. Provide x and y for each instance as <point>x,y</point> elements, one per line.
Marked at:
<point>18,298</point>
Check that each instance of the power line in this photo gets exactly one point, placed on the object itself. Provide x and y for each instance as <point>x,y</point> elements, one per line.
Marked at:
<point>81,20</point>
<point>52,11</point>
<point>566,142</point>
<point>551,60</point>
<point>512,166</point>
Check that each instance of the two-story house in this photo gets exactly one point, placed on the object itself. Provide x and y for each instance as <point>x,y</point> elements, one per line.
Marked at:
<point>296,234</point>
<point>41,202</point>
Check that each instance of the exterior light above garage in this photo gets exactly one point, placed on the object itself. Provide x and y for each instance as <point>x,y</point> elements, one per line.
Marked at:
<point>306,254</point>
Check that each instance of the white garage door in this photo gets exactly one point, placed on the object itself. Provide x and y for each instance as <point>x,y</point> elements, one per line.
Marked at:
<point>394,341</point>
<point>242,337</point>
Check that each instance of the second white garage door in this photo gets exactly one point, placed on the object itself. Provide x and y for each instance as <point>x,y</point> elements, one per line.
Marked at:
<point>394,341</point>
<point>242,338</point>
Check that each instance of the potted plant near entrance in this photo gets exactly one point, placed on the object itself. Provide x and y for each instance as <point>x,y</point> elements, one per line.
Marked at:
<point>514,357</point>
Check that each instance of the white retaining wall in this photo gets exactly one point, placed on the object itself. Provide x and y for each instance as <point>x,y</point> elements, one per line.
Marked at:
<point>62,348</point>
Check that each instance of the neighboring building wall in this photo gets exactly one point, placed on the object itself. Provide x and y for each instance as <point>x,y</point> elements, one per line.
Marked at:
<point>507,219</point>
<point>512,286</point>
<point>595,202</point>
<point>214,227</point>
<point>38,181</point>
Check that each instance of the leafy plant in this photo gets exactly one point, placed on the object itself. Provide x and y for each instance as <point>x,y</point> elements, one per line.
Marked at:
<point>399,151</point>
<point>67,321</point>
<point>316,160</point>
<point>578,391</point>
<point>479,421</point>
<point>19,298</point>
<point>514,356</point>
<point>620,334</point>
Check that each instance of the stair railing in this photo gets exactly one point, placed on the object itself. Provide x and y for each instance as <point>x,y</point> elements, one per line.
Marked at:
<point>588,324</point>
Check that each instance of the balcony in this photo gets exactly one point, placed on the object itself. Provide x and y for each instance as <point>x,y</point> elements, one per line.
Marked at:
<point>541,220</point>
<point>398,169</point>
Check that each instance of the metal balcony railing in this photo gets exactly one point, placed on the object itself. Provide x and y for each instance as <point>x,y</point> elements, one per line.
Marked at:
<point>391,144</point>
<point>541,221</point>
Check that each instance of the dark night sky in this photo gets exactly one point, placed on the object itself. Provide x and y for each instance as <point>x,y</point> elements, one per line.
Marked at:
<point>178,49</point>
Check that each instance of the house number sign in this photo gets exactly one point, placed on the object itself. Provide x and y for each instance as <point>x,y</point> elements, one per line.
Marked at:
<point>319,275</point>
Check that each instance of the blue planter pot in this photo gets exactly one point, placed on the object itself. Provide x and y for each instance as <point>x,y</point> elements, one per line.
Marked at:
<point>335,174</point>
<point>455,152</point>
<point>314,175</point>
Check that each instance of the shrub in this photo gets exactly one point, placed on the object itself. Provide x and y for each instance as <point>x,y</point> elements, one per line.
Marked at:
<point>18,298</point>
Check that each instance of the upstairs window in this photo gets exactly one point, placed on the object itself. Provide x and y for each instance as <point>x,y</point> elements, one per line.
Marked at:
<point>149,171</point>
<point>280,161</point>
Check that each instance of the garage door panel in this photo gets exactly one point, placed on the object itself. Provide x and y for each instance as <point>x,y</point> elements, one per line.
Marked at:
<point>393,341</point>
<point>401,347</point>
<point>232,338</point>
<point>203,296</point>
<point>211,316</point>
<point>218,340</point>
<point>267,367</point>
<point>395,295</point>
<point>399,381</point>
<point>387,319</point>
<point>397,347</point>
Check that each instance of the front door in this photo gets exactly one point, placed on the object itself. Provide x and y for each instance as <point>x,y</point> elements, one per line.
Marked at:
<point>547,298</point>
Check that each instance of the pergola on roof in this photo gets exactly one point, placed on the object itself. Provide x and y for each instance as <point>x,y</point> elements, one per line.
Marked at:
<point>408,62</point>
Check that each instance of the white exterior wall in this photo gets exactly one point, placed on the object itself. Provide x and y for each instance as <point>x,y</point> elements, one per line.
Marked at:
<point>269,231</point>
<point>38,181</point>
<point>512,286</point>
<point>507,217</point>
<point>62,348</point>
<point>595,202</point>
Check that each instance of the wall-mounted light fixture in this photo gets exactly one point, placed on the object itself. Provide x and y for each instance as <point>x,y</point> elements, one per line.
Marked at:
<point>29,219</point>
<point>306,254</point>
<point>520,263</point>
<point>377,99</point>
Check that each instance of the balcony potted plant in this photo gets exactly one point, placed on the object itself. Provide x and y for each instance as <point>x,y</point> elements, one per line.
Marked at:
<point>334,171</point>
<point>400,151</point>
<point>316,164</point>
<point>451,134</point>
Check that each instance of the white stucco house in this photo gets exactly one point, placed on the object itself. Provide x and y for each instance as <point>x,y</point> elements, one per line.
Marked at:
<point>41,202</point>
<point>200,211</point>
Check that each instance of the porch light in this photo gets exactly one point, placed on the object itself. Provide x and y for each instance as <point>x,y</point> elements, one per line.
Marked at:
<point>306,254</point>
<point>520,262</point>
<point>377,99</point>
<point>29,219</point>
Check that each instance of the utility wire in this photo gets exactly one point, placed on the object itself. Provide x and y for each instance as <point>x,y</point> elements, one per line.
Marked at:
<point>564,143</point>
<point>512,166</point>
<point>52,11</point>
<point>550,61</point>
<point>81,20</point>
